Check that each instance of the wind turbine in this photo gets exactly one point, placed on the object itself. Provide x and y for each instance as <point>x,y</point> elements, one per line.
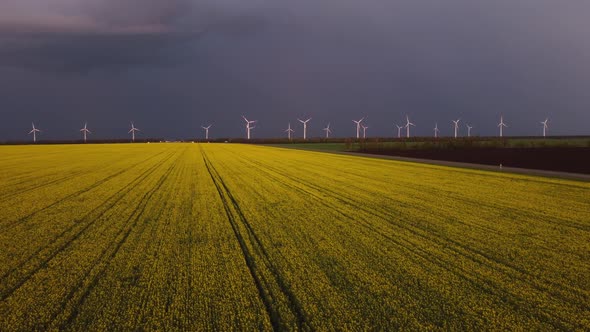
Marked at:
<point>436,130</point>
<point>132,131</point>
<point>456,122</point>
<point>327,130</point>
<point>358,127</point>
<point>364,131</point>
<point>502,125</point>
<point>34,132</point>
<point>399,130</point>
<point>289,131</point>
<point>85,131</point>
<point>207,131</point>
<point>545,126</point>
<point>408,124</point>
<point>304,127</point>
<point>469,130</point>
<point>248,123</point>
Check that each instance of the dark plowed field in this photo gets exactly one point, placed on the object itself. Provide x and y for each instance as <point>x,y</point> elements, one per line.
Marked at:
<point>572,160</point>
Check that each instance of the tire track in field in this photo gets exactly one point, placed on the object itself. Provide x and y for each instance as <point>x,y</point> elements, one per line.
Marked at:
<point>27,177</point>
<point>105,206</point>
<point>264,285</point>
<point>118,195</point>
<point>465,198</point>
<point>406,246</point>
<point>473,254</point>
<point>6,195</point>
<point>468,252</point>
<point>382,213</point>
<point>156,242</point>
<point>65,198</point>
<point>97,270</point>
<point>31,175</point>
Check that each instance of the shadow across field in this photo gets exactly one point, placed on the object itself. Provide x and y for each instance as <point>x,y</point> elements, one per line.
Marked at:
<point>560,159</point>
<point>557,154</point>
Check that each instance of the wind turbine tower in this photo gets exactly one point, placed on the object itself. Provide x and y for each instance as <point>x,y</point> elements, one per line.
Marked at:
<point>289,131</point>
<point>436,130</point>
<point>304,127</point>
<point>85,131</point>
<point>469,130</point>
<point>545,126</point>
<point>248,127</point>
<point>364,131</point>
<point>328,131</point>
<point>206,131</point>
<point>34,131</point>
<point>408,124</point>
<point>358,127</point>
<point>399,130</point>
<point>456,122</point>
<point>502,125</point>
<point>132,131</point>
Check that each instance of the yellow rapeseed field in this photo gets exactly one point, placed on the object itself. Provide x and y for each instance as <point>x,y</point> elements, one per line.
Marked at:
<point>238,237</point>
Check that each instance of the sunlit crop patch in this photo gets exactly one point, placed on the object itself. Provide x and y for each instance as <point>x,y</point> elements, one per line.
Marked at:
<point>239,237</point>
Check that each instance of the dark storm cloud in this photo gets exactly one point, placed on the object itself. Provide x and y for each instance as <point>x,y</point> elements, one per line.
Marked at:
<point>176,64</point>
<point>108,33</point>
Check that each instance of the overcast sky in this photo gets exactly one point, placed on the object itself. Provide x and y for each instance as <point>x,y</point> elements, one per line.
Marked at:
<point>174,65</point>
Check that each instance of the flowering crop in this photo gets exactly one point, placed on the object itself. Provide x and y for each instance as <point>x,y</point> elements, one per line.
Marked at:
<point>241,237</point>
